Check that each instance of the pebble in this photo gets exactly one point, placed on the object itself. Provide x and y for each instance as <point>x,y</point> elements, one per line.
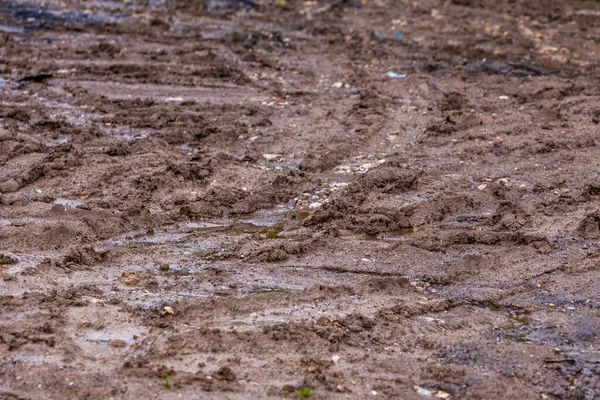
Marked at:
<point>338,85</point>
<point>335,358</point>
<point>164,267</point>
<point>272,157</point>
<point>368,166</point>
<point>423,391</point>
<point>169,310</point>
<point>314,205</point>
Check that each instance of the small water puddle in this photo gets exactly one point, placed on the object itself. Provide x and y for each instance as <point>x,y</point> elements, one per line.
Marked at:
<point>11,29</point>
<point>69,203</point>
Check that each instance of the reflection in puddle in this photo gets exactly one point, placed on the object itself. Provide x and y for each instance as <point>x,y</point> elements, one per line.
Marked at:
<point>69,203</point>
<point>266,218</point>
<point>204,225</point>
<point>11,29</point>
<point>253,223</point>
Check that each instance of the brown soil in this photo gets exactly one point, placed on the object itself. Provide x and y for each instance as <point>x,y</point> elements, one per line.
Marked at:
<point>232,199</point>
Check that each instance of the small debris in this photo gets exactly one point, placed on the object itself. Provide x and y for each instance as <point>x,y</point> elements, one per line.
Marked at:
<point>163,267</point>
<point>8,258</point>
<point>117,343</point>
<point>335,358</point>
<point>374,393</point>
<point>253,315</point>
<point>503,97</point>
<point>368,166</point>
<point>482,186</point>
<point>395,75</point>
<point>423,391</point>
<point>340,388</point>
<point>314,205</point>
<point>174,99</point>
<point>338,85</point>
<point>38,191</point>
<point>169,310</point>
<point>442,395</point>
<point>130,278</point>
<point>399,34</point>
<point>225,374</point>
<point>272,157</point>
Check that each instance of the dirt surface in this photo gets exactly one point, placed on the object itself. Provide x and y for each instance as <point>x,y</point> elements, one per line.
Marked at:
<point>253,199</point>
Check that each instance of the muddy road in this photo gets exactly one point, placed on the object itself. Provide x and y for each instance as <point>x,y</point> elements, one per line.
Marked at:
<point>331,199</point>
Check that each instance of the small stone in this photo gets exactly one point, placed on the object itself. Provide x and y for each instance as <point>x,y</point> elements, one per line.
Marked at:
<point>340,388</point>
<point>338,85</point>
<point>163,267</point>
<point>482,187</point>
<point>253,315</point>
<point>335,358</point>
<point>272,157</point>
<point>503,97</point>
<point>423,391</point>
<point>374,393</point>
<point>8,258</point>
<point>442,395</point>
<point>169,310</point>
<point>314,205</point>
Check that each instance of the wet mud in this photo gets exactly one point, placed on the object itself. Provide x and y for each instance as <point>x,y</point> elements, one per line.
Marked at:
<point>234,199</point>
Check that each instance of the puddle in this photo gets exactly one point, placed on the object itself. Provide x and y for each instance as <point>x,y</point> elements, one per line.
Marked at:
<point>402,235</point>
<point>57,142</point>
<point>143,237</point>
<point>11,29</point>
<point>35,17</point>
<point>69,203</point>
<point>205,225</point>
<point>258,289</point>
<point>21,222</point>
<point>257,222</point>
<point>105,337</point>
<point>266,218</point>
